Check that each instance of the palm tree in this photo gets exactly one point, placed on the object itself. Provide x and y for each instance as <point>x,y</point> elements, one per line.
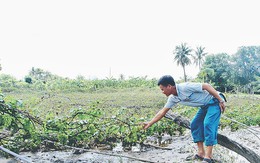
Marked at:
<point>199,56</point>
<point>182,53</point>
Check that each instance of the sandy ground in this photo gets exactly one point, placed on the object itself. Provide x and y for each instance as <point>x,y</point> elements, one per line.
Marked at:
<point>181,148</point>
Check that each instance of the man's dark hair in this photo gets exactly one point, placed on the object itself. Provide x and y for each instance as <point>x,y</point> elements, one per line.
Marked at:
<point>165,80</point>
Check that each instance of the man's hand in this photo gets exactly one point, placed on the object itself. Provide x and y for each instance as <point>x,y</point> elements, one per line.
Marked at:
<point>157,117</point>
<point>146,125</point>
<point>222,106</point>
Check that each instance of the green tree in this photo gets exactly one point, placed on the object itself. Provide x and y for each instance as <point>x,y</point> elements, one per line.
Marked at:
<point>256,85</point>
<point>247,62</point>
<point>199,56</point>
<point>41,75</point>
<point>28,80</point>
<point>8,82</point>
<point>223,70</point>
<point>182,53</point>
<point>206,73</point>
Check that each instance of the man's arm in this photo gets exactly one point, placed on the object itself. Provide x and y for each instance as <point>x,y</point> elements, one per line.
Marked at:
<point>213,92</point>
<point>157,117</point>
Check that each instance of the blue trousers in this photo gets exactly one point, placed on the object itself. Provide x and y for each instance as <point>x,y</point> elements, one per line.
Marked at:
<point>204,126</point>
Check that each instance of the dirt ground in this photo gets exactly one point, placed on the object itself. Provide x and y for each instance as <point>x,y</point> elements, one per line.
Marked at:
<point>177,149</point>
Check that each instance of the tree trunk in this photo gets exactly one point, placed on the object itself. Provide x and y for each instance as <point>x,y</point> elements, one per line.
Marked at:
<point>224,141</point>
<point>185,77</point>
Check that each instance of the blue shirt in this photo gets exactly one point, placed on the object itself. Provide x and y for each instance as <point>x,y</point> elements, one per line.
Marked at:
<point>189,94</point>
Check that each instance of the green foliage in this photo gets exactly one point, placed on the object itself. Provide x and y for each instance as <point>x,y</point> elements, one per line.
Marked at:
<point>256,85</point>
<point>15,124</point>
<point>218,70</point>
<point>244,112</point>
<point>247,61</point>
<point>8,83</point>
<point>110,112</point>
<point>28,80</point>
<point>232,72</point>
<point>79,127</point>
<point>41,80</point>
<point>206,74</point>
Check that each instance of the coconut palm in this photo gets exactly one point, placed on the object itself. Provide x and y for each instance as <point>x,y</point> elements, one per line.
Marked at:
<point>182,53</point>
<point>199,56</point>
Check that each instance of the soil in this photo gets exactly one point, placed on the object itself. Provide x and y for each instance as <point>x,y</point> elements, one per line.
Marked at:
<point>176,149</point>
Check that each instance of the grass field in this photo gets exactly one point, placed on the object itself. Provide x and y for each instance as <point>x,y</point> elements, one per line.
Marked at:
<point>139,101</point>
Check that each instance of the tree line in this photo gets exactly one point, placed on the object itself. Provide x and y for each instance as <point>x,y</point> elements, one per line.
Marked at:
<point>224,71</point>
<point>239,71</point>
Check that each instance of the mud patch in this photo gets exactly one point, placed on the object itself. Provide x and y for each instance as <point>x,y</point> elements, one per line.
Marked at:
<point>179,148</point>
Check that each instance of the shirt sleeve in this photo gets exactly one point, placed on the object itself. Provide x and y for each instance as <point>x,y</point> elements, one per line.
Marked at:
<point>171,102</point>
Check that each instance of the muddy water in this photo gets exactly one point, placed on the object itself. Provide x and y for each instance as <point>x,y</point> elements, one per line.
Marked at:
<point>178,149</point>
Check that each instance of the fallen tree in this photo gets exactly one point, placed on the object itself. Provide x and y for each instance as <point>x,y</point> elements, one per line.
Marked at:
<point>224,141</point>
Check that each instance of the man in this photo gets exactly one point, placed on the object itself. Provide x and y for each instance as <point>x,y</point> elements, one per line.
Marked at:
<point>204,125</point>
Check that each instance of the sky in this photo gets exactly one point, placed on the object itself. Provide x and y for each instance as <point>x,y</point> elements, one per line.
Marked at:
<point>103,38</point>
